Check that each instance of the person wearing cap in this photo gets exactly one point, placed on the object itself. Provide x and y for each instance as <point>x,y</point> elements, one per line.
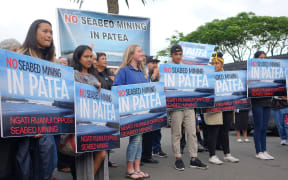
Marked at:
<point>153,70</point>
<point>154,75</point>
<point>218,125</point>
<point>151,140</point>
<point>186,117</point>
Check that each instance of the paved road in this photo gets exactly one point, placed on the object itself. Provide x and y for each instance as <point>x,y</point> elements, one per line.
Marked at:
<point>249,168</point>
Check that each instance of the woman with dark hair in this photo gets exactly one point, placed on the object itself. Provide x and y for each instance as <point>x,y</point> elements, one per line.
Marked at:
<point>86,164</point>
<point>82,59</point>
<point>106,78</point>
<point>218,125</point>
<point>102,72</point>
<point>37,156</point>
<point>261,108</point>
<point>39,41</point>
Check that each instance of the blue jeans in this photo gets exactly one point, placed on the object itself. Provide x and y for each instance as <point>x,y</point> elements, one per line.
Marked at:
<point>279,121</point>
<point>37,157</point>
<point>134,149</point>
<point>285,117</point>
<point>261,116</point>
<point>156,141</point>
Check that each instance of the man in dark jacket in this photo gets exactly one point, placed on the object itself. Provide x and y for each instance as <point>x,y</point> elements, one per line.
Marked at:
<point>151,140</point>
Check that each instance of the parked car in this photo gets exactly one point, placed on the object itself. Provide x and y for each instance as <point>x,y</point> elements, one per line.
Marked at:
<point>272,128</point>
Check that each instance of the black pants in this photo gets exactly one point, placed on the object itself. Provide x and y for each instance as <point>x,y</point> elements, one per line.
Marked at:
<point>8,163</point>
<point>36,157</point>
<point>147,145</point>
<point>222,131</point>
<point>64,161</point>
<point>205,132</point>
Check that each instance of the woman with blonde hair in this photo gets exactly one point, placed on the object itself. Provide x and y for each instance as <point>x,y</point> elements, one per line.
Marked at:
<point>132,71</point>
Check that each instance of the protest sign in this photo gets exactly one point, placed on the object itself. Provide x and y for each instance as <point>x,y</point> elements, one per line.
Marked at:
<point>286,119</point>
<point>37,96</point>
<point>284,111</point>
<point>284,115</point>
<point>230,91</point>
<point>109,33</point>
<point>286,74</point>
<point>188,85</point>
<point>195,53</point>
<point>142,107</point>
<point>97,119</point>
<point>266,77</point>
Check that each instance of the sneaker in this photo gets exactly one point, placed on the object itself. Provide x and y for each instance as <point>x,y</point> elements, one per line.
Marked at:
<point>283,142</point>
<point>261,156</point>
<point>246,140</point>
<point>160,153</point>
<point>196,163</point>
<point>230,158</point>
<point>179,165</point>
<point>239,140</point>
<point>150,160</point>
<point>269,157</point>
<point>215,160</point>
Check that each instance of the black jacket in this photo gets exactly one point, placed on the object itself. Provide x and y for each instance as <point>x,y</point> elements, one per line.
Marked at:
<point>279,103</point>
<point>263,101</point>
<point>103,77</point>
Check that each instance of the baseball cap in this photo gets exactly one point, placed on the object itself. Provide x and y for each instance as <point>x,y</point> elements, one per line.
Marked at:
<point>176,48</point>
<point>151,59</point>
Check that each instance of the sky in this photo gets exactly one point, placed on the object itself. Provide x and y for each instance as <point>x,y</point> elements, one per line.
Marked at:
<point>167,16</point>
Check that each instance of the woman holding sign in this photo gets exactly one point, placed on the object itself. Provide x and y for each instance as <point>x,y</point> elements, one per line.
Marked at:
<point>218,125</point>
<point>261,108</point>
<point>86,164</point>
<point>132,71</point>
<point>106,78</point>
<point>37,156</point>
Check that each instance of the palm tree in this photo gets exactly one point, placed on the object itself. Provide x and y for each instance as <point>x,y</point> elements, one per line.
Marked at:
<point>113,5</point>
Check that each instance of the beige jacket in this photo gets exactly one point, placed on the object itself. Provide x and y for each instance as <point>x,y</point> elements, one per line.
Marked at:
<point>214,118</point>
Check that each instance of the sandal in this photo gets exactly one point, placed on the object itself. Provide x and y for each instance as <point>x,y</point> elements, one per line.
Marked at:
<point>130,176</point>
<point>143,174</point>
<point>65,170</point>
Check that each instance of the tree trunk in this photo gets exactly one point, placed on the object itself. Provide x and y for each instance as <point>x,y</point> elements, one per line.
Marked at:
<point>113,6</point>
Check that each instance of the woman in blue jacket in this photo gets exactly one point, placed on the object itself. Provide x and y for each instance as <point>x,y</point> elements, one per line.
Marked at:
<point>132,71</point>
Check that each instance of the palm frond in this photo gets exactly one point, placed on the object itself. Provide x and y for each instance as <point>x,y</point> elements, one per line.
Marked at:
<point>127,3</point>
<point>80,2</point>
